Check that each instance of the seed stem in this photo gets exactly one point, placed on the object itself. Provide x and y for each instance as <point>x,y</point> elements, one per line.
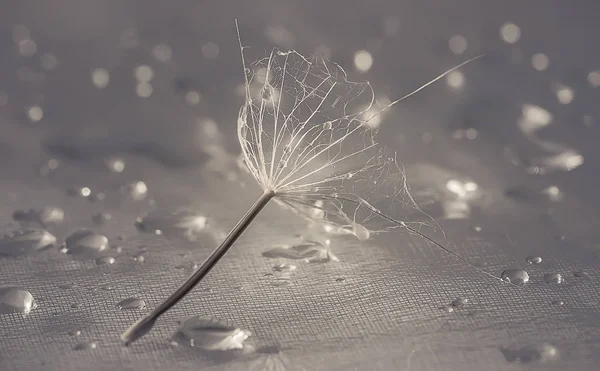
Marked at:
<point>144,325</point>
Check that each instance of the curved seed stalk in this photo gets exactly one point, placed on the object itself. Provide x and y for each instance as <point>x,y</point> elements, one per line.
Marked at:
<point>307,135</point>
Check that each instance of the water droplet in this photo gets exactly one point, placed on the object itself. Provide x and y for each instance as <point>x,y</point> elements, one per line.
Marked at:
<point>210,334</point>
<point>85,243</point>
<point>510,33</point>
<point>185,224</point>
<point>515,276</point>
<point>541,353</point>
<point>327,125</point>
<point>311,252</point>
<point>540,61</point>
<point>457,44</point>
<point>75,305</point>
<point>85,345</point>
<point>284,267</point>
<point>192,98</point>
<point>25,241</point>
<point>67,285</point>
<point>74,332</point>
<point>553,278</point>
<point>79,191</point>
<point>533,260</point>
<point>447,308</point>
<point>594,79</point>
<point>35,113</point>
<point>102,218</point>
<point>162,52</point>
<point>363,60</point>
<point>139,257</point>
<point>455,79</point>
<point>107,287</point>
<point>210,50</point>
<point>49,61</point>
<point>136,190</point>
<point>105,260</point>
<point>131,303</point>
<point>144,89</point>
<point>14,299</point>
<point>281,281</point>
<point>27,47</point>
<point>581,274</point>
<point>115,164</point>
<point>144,73</point>
<point>558,302</point>
<point>459,302</point>
<point>564,94</point>
<point>44,216</point>
<point>100,78</point>
<point>187,266</point>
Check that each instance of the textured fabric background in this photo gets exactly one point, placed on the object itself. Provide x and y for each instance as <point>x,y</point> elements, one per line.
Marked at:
<point>378,308</point>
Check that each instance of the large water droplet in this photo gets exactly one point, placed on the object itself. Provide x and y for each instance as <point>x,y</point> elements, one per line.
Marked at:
<point>311,252</point>
<point>85,345</point>
<point>180,224</point>
<point>131,303</point>
<point>515,276</point>
<point>553,278</point>
<point>25,241</point>
<point>14,299</point>
<point>210,334</point>
<point>44,216</point>
<point>533,260</point>
<point>85,243</point>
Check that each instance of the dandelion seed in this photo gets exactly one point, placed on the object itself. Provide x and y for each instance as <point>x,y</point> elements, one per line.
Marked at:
<point>300,141</point>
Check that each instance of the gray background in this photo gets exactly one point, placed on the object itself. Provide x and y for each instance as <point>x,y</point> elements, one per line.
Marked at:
<point>385,315</point>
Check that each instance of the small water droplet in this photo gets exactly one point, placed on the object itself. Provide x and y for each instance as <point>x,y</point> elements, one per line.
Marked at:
<point>85,243</point>
<point>74,332</point>
<point>85,345</point>
<point>210,334</point>
<point>553,278</point>
<point>515,276</point>
<point>281,282</point>
<point>105,260</point>
<point>581,274</point>
<point>184,224</point>
<point>107,287</point>
<point>447,308</point>
<point>74,305</point>
<point>67,285</point>
<point>459,302</point>
<point>14,299</point>
<point>327,125</point>
<point>139,257</point>
<point>284,267</point>
<point>115,164</point>
<point>533,260</point>
<point>131,303</point>
<point>79,191</point>
<point>541,353</point>
<point>187,266</point>
<point>44,216</point>
<point>136,190</point>
<point>558,302</point>
<point>311,252</point>
<point>25,241</point>
<point>102,218</point>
